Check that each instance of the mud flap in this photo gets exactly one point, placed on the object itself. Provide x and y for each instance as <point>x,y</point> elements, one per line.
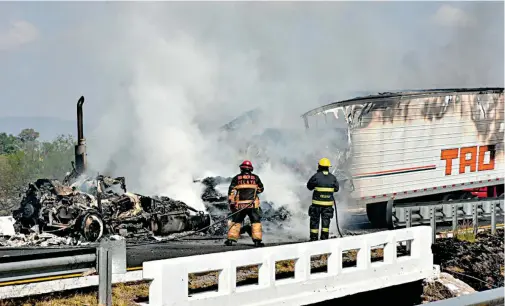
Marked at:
<point>381,214</point>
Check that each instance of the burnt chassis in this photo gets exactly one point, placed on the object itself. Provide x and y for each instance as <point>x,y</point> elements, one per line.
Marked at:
<point>51,207</point>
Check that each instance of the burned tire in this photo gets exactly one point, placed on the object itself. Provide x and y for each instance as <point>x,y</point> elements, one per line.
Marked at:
<point>92,227</point>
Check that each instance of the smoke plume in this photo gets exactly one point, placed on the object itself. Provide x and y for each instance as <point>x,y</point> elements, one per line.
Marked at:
<point>176,72</point>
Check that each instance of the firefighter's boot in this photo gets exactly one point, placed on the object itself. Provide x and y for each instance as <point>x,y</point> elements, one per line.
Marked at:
<point>229,242</point>
<point>258,243</point>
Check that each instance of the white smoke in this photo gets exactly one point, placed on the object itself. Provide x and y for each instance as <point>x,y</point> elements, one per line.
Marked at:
<point>176,72</point>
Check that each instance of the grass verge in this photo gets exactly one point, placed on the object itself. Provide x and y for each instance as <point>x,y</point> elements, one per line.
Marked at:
<point>126,294</point>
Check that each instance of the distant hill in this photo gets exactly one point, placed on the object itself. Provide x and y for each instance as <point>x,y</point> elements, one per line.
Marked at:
<point>48,127</point>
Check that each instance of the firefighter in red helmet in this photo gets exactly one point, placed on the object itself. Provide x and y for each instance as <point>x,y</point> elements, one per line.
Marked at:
<point>243,195</point>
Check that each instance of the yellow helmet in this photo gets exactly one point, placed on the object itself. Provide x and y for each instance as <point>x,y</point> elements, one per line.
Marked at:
<point>324,162</point>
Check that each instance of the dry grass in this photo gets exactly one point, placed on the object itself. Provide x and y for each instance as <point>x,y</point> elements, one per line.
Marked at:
<point>455,269</point>
<point>285,266</point>
<point>122,295</point>
<point>464,232</point>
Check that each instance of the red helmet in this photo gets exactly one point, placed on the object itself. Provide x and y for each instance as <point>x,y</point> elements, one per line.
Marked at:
<point>246,165</point>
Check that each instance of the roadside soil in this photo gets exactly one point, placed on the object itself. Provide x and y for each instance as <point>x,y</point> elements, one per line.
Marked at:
<point>476,260</point>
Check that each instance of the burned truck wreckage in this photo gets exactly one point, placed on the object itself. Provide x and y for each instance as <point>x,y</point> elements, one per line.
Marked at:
<point>83,209</point>
<point>90,209</point>
<point>87,208</point>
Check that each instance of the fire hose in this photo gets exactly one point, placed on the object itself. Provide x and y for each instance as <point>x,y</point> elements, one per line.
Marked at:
<point>219,221</point>
<point>213,224</point>
<point>336,218</point>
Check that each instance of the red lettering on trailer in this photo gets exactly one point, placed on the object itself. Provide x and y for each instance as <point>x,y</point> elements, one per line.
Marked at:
<point>472,158</point>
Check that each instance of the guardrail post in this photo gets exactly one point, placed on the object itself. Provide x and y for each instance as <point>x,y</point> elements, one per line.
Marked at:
<point>111,259</point>
<point>433,223</point>
<point>454,211</point>
<point>408,217</point>
<point>475,217</point>
<point>408,223</point>
<point>493,217</point>
<point>104,275</point>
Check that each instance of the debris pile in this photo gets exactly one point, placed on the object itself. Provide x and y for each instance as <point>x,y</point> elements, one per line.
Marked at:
<point>478,263</point>
<point>444,287</point>
<point>34,239</point>
<point>210,193</point>
<point>89,208</point>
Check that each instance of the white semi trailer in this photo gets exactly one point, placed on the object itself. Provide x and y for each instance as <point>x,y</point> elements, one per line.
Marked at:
<point>416,150</point>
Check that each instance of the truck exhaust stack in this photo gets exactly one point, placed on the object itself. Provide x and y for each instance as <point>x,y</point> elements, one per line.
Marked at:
<point>80,148</point>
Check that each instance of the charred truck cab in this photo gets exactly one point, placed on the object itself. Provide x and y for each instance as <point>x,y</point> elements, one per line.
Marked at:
<point>87,208</point>
<point>416,151</point>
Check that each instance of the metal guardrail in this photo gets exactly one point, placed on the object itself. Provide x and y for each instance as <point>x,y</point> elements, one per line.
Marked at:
<point>454,213</point>
<point>106,259</point>
<point>15,268</point>
<point>446,211</point>
<point>491,297</point>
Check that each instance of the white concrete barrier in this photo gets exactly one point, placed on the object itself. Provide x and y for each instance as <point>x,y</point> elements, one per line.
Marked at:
<point>7,226</point>
<point>170,276</point>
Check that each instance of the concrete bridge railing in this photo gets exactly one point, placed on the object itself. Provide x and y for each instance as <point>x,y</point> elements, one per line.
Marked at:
<point>169,277</point>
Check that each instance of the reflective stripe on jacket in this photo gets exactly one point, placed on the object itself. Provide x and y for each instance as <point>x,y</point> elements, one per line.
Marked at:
<point>324,185</point>
<point>244,189</point>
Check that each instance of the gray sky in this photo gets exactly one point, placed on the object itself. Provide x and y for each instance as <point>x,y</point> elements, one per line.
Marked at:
<point>52,52</point>
<point>159,77</point>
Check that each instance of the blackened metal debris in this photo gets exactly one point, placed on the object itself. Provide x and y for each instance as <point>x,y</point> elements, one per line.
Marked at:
<point>86,209</point>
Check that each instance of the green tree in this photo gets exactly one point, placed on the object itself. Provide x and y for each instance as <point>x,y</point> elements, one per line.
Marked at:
<point>9,143</point>
<point>28,135</point>
<point>24,159</point>
<point>55,157</point>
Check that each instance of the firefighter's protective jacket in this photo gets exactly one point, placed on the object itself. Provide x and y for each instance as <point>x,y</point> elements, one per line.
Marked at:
<point>244,188</point>
<point>324,185</point>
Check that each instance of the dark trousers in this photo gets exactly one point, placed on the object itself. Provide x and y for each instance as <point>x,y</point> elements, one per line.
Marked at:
<point>253,213</point>
<point>325,213</point>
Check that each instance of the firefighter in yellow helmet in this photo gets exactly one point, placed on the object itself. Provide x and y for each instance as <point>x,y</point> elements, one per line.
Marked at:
<point>243,194</point>
<point>324,185</point>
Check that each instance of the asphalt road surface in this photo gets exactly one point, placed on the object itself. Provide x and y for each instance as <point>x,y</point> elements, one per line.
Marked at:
<point>136,255</point>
